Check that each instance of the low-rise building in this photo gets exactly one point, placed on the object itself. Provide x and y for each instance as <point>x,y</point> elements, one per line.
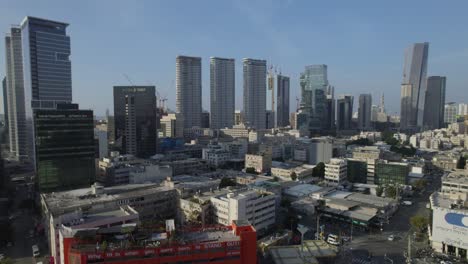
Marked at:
<point>313,151</point>
<point>356,171</point>
<point>186,166</point>
<point>172,125</point>
<point>284,170</point>
<point>391,173</point>
<point>368,152</point>
<point>215,155</point>
<point>445,161</point>
<point>261,162</point>
<point>336,171</point>
<point>259,208</point>
<point>149,173</point>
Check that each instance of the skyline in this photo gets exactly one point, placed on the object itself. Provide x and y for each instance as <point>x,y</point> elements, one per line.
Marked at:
<point>144,41</point>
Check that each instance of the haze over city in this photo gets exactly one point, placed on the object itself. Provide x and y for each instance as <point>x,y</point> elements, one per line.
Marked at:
<point>361,42</point>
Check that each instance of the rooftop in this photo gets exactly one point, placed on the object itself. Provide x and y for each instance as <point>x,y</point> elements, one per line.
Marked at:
<point>307,253</point>
<point>458,176</point>
<point>68,201</point>
<point>302,190</point>
<point>449,201</point>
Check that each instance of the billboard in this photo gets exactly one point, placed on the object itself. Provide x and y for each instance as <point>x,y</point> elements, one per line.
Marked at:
<point>450,227</point>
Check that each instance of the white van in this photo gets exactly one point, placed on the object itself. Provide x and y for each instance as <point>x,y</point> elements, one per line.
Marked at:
<point>35,250</point>
<point>333,240</point>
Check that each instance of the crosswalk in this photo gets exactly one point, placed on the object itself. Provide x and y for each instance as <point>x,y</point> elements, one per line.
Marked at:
<point>360,261</point>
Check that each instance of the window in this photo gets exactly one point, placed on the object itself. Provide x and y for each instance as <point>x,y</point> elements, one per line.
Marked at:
<point>61,56</point>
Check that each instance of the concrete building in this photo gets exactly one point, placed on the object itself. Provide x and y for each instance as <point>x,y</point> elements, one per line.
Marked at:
<point>135,120</point>
<point>313,151</point>
<point>222,92</point>
<point>450,113</point>
<point>259,208</point>
<point>254,93</point>
<point>364,111</point>
<point>189,90</point>
<point>215,155</point>
<point>149,173</point>
<point>237,131</point>
<point>172,125</point>
<point>414,86</point>
<point>435,100</point>
<point>103,142</point>
<point>261,162</point>
<point>115,170</point>
<point>336,171</point>
<point>445,162</point>
<point>284,170</point>
<point>237,148</point>
<point>462,109</point>
<point>367,152</point>
<point>149,200</point>
<point>15,114</point>
<point>344,112</point>
<point>449,211</point>
<point>186,166</point>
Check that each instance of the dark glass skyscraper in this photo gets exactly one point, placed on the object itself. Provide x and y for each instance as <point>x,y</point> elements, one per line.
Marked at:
<point>254,93</point>
<point>364,111</point>
<point>314,82</point>
<point>344,112</point>
<point>65,149</point>
<point>282,101</point>
<point>46,68</point>
<point>413,89</point>
<point>435,100</point>
<point>135,120</point>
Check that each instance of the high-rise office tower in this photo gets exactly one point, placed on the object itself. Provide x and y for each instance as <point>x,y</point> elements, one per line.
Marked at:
<point>189,90</point>
<point>435,102</point>
<point>282,101</point>
<point>462,109</point>
<point>254,93</point>
<point>47,69</point>
<point>314,82</point>
<point>222,92</point>
<point>364,111</point>
<point>65,148</point>
<point>5,104</point>
<point>450,113</point>
<point>413,89</point>
<point>15,95</point>
<point>344,112</point>
<point>330,105</point>
<point>205,119</point>
<point>135,120</point>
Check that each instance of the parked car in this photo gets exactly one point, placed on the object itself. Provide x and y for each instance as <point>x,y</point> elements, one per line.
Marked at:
<point>35,250</point>
<point>333,240</point>
<point>407,203</point>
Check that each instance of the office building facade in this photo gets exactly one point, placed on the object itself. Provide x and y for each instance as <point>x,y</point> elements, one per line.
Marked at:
<point>435,100</point>
<point>254,93</point>
<point>5,104</point>
<point>450,113</point>
<point>65,147</point>
<point>46,69</point>
<point>314,82</point>
<point>330,105</point>
<point>189,90</point>
<point>414,87</point>
<point>135,120</point>
<point>344,112</point>
<point>15,95</point>
<point>364,111</point>
<point>222,92</point>
<point>282,101</point>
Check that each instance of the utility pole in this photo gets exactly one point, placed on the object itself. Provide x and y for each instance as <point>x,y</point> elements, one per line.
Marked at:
<point>408,257</point>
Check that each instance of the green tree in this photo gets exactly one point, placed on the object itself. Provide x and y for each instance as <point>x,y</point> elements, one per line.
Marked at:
<point>379,191</point>
<point>6,261</point>
<point>420,184</point>
<point>293,176</point>
<point>392,141</point>
<point>419,222</point>
<point>319,170</point>
<point>461,163</point>
<point>275,179</point>
<point>225,182</point>
<point>390,191</point>
<point>251,170</point>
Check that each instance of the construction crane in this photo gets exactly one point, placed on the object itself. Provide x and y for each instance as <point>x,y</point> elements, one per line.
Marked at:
<point>128,79</point>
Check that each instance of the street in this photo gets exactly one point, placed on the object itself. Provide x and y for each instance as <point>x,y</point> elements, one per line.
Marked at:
<point>24,222</point>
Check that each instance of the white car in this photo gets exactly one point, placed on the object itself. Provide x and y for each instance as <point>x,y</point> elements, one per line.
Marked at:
<point>35,250</point>
<point>407,203</point>
<point>333,240</point>
<point>391,238</point>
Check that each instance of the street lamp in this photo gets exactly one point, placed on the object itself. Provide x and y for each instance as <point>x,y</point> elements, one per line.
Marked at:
<point>302,229</point>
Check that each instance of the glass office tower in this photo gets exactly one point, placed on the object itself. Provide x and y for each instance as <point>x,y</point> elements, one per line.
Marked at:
<point>314,82</point>
<point>65,148</point>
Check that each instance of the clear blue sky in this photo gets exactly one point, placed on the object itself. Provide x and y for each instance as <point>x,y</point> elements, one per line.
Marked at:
<point>362,42</point>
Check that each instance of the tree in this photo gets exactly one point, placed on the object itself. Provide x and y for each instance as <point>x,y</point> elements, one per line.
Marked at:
<point>293,176</point>
<point>390,191</point>
<point>6,261</point>
<point>461,163</point>
<point>360,141</point>
<point>275,179</point>
<point>420,184</point>
<point>251,170</point>
<point>419,222</point>
<point>225,182</point>
<point>319,170</point>
<point>379,191</point>
<point>392,141</point>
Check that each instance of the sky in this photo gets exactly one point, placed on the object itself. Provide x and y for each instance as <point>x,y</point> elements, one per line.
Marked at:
<point>362,42</point>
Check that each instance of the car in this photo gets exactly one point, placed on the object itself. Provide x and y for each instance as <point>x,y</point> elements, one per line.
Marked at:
<point>391,238</point>
<point>35,250</point>
<point>333,240</point>
<point>407,203</point>
<point>445,262</point>
<point>40,262</point>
